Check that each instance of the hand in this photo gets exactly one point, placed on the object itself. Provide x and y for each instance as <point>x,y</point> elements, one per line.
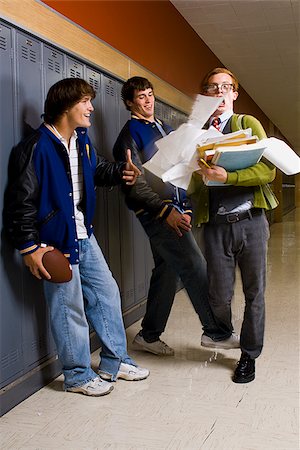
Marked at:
<point>176,220</point>
<point>214,173</point>
<point>35,264</point>
<point>131,172</point>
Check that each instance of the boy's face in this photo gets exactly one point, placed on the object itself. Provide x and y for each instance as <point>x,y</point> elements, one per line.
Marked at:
<point>229,98</point>
<point>79,114</point>
<point>142,104</point>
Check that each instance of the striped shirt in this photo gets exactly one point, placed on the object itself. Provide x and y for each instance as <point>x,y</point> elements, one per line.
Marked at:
<point>77,181</point>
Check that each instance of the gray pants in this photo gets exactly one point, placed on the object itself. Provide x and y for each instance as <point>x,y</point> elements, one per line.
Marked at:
<point>243,243</point>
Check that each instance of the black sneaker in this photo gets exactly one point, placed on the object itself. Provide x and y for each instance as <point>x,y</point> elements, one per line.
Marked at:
<point>245,371</point>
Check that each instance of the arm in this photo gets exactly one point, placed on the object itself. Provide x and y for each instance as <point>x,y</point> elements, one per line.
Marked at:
<point>261,173</point>
<point>111,173</point>
<point>141,195</point>
<point>20,206</point>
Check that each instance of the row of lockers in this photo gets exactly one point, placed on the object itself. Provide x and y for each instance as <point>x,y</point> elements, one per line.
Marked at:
<point>28,68</point>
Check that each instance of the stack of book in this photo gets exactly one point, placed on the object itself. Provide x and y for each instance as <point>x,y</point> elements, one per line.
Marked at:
<point>237,151</point>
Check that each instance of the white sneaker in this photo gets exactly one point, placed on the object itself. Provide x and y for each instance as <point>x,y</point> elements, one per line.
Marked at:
<point>95,388</point>
<point>127,372</point>
<point>157,347</point>
<point>232,342</point>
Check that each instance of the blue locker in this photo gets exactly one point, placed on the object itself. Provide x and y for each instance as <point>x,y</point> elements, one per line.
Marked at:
<point>100,220</point>
<point>127,238</point>
<point>29,84</point>
<point>35,324</point>
<point>10,270</point>
<point>53,67</point>
<point>74,68</point>
<point>110,129</point>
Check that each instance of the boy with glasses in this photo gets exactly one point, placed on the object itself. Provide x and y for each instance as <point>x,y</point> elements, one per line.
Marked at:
<point>236,230</point>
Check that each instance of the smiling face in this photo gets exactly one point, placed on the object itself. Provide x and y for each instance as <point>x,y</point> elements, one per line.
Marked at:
<point>229,98</point>
<point>142,104</point>
<point>79,115</point>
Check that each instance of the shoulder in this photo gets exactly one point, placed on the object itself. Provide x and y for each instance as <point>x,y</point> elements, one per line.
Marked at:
<point>243,121</point>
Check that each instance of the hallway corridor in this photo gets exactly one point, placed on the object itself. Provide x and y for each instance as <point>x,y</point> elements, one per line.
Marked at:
<point>189,401</point>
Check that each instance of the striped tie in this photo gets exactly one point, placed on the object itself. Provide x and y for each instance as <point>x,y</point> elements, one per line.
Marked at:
<point>216,123</point>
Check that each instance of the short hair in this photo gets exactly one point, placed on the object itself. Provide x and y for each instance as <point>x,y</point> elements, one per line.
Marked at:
<point>64,95</point>
<point>215,71</point>
<point>134,84</point>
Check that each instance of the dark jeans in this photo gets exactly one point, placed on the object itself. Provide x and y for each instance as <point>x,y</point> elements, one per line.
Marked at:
<point>244,244</point>
<point>176,258</point>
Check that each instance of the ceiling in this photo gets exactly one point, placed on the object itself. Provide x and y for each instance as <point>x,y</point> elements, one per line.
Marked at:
<point>258,40</point>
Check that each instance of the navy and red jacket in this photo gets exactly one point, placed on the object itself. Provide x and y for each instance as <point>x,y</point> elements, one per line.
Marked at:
<point>149,194</point>
<point>38,205</point>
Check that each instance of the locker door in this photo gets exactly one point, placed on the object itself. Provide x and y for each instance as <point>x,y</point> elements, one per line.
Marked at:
<point>110,129</point>
<point>29,84</point>
<point>10,271</point>
<point>100,220</point>
<point>126,225</point>
<point>53,64</point>
<point>74,68</point>
<point>35,324</point>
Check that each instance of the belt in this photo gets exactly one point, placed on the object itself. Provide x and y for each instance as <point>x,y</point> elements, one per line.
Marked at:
<point>237,217</point>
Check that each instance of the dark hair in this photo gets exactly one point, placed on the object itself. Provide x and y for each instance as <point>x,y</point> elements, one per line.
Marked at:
<point>215,71</point>
<point>64,95</point>
<point>134,84</point>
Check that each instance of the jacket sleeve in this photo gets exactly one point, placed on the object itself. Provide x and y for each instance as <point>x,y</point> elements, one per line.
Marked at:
<point>140,195</point>
<point>108,173</point>
<point>259,174</point>
<point>21,197</point>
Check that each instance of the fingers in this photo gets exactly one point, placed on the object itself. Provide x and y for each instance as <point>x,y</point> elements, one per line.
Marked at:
<point>34,261</point>
<point>128,158</point>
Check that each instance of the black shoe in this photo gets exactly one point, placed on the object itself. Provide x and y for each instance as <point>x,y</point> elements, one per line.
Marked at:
<point>245,371</point>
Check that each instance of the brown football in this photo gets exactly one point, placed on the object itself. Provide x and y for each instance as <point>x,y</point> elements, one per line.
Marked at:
<point>58,266</point>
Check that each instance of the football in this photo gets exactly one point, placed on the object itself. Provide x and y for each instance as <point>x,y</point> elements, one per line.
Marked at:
<point>58,266</point>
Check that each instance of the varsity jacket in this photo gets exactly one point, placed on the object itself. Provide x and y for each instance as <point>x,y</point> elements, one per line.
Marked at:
<point>258,176</point>
<point>149,193</point>
<point>39,197</point>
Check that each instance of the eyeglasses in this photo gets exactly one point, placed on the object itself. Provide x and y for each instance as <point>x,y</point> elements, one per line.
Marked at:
<point>213,88</point>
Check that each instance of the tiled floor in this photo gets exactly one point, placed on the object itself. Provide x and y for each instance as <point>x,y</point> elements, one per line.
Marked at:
<point>189,401</point>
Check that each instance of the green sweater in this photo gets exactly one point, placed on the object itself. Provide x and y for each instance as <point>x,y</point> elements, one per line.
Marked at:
<point>257,176</point>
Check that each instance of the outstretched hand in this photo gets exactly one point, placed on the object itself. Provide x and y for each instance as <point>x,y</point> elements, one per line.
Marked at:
<point>131,172</point>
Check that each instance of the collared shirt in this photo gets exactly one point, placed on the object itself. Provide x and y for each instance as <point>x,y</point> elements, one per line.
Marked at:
<point>77,180</point>
<point>223,119</point>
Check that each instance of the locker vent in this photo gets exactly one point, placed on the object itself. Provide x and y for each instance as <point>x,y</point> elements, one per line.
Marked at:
<point>94,83</point>
<point>75,73</point>
<point>9,359</point>
<point>28,54</point>
<point>3,43</point>
<point>53,65</point>
<point>110,90</point>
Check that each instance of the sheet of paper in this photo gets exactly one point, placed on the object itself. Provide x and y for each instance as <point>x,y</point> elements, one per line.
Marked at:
<point>203,107</point>
<point>281,155</point>
<point>179,146</point>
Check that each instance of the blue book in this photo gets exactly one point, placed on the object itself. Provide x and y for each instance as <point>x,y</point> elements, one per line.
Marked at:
<point>236,158</point>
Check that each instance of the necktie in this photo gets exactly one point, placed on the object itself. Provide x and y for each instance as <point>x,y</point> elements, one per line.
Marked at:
<point>216,123</point>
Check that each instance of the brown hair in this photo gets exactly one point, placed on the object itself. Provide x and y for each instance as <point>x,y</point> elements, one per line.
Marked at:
<point>64,95</point>
<point>134,84</point>
<point>215,71</point>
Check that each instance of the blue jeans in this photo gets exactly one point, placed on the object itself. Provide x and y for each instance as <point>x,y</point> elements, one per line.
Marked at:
<point>91,296</point>
<point>176,258</point>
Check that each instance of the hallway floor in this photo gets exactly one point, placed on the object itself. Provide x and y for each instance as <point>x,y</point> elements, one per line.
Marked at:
<point>189,401</point>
